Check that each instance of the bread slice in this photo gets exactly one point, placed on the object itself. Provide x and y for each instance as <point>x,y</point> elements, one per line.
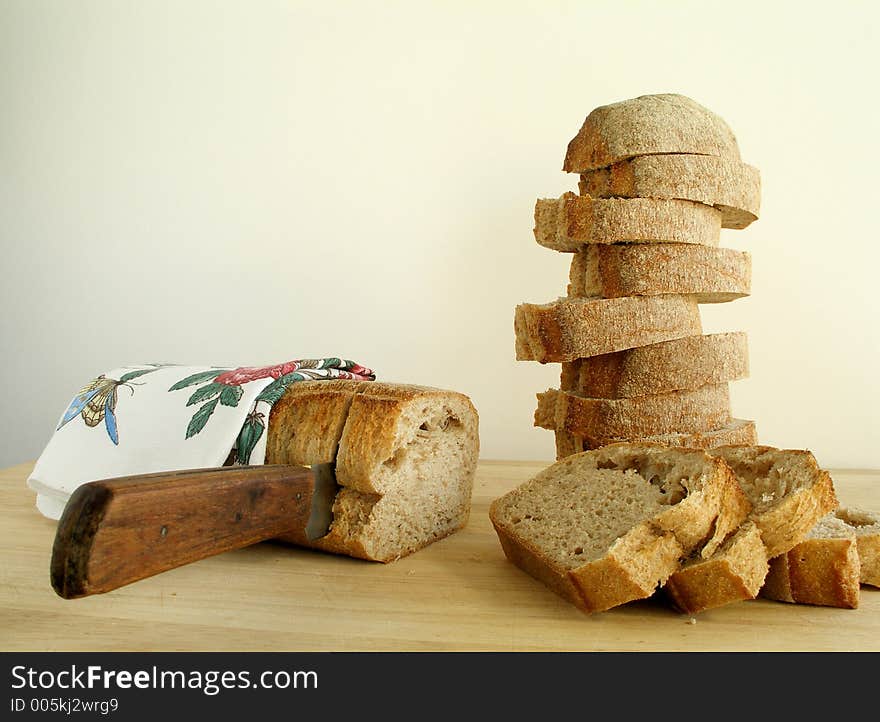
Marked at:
<point>866,526</point>
<point>572,328</point>
<point>709,275</point>
<point>824,569</point>
<point>571,221</point>
<point>738,431</point>
<point>405,459</point>
<point>601,420</point>
<point>684,363</point>
<point>648,125</point>
<point>734,188</point>
<point>789,494</point>
<point>606,527</point>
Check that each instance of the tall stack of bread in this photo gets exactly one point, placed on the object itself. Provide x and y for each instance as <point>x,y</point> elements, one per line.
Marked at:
<point>660,176</point>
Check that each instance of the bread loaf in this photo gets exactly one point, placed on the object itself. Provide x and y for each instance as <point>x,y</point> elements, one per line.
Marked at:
<point>738,431</point>
<point>684,363</point>
<point>648,125</point>
<point>605,527</point>
<point>734,188</point>
<point>405,459</point>
<point>568,223</point>
<point>789,493</point>
<point>573,328</point>
<point>708,275</point>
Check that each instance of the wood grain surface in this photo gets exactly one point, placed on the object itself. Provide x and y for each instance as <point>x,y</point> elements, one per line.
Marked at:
<point>458,594</point>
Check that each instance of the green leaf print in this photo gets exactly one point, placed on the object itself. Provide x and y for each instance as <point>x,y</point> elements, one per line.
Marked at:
<point>205,392</point>
<point>276,389</point>
<point>230,395</point>
<point>248,438</point>
<point>200,418</point>
<point>198,378</point>
<point>134,374</point>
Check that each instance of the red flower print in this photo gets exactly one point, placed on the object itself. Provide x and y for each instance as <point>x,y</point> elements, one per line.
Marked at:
<point>245,374</point>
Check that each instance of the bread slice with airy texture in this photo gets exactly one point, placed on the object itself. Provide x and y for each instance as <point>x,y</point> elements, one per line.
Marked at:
<point>601,420</point>
<point>789,494</point>
<point>684,363</point>
<point>606,527</point>
<point>570,222</point>
<point>824,569</point>
<point>738,431</point>
<point>708,275</point>
<point>405,459</point>
<point>732,187</point>
<point>572,328</point>
<point>648,125</point>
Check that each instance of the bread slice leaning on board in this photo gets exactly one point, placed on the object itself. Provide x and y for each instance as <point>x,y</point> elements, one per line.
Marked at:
<point>842,550</point>
<point>732,187</point>
<point>789,493</point>
<point>405,458</point>
<point>609,526</point>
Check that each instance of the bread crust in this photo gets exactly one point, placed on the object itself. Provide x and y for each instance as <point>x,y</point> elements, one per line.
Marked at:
<point>709,275</point>
<point>573,328</point>
<point>823,572</point>
<point>738,431</point>
<point>599,421</point>
<point>866,526</point>
<point>732,187</point>
<point>648,125</point>
<point>680,364</point>
<point>570,222</point>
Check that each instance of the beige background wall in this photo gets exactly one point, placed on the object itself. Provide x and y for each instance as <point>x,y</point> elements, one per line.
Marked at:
<point>240,183</point>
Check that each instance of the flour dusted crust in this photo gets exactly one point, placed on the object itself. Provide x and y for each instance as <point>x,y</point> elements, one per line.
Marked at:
<point>599,420</point>
<point>572,328</point>
<point>738,431</point>
<point>648,125</point>
<point>732,187</point>
<point>405,457</point>
<point>571,221</point>
<point>685,363</point>
<point>709,275</point>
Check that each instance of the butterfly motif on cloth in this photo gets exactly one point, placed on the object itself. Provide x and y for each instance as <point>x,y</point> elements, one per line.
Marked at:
<point>96,402</point>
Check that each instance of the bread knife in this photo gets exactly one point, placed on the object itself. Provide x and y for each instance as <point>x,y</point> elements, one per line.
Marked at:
<point>117,531</point>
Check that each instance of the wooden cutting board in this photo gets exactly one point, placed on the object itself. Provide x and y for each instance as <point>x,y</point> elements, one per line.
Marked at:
<point>458,594</point>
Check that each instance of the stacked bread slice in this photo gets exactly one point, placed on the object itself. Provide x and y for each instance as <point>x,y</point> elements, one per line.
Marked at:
<point>660,176</point>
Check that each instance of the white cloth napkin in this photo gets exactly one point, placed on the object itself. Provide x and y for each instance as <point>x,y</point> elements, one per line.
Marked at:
<point>160,417</point>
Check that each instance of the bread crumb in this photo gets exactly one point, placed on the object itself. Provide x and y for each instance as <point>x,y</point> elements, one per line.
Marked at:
<point>692,620</point>
<point>411,572</point>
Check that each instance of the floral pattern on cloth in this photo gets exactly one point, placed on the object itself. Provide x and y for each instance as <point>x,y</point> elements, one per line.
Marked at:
<point>171,417</point>
<point>223,386</point>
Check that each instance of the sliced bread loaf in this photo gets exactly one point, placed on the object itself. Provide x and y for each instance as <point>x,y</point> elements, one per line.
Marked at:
<point>648,125</point>
<point>734,188</point>
<point>866,526</point>
<point>789,494</point>
<point>569,222</point>
<point>601,420</point>
<point>572,328</point>
<point>684,363</point>
<point>738,431</point>
<point>824,569</point>
<point>606,527</point>
<point>405,459</point>
<point>709,275</point>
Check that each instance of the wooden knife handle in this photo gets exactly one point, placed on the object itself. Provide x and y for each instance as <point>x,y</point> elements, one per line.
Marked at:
<point>117,531</point>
